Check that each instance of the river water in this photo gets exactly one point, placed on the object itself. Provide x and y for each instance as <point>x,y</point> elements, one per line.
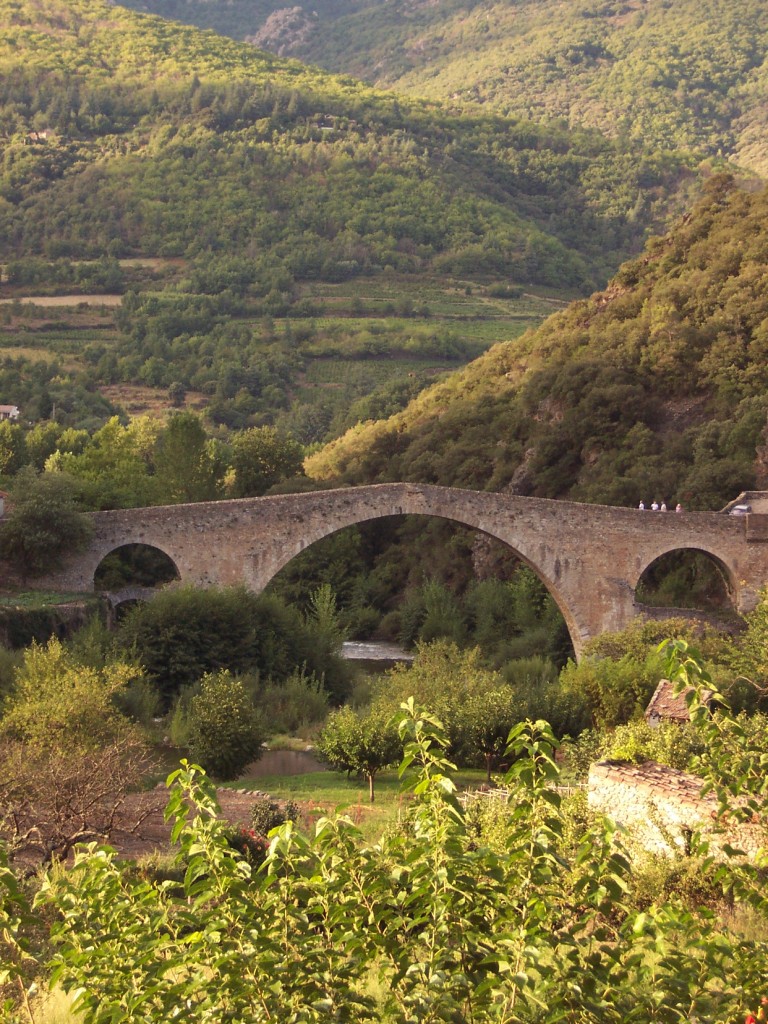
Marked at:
<point>377,651</point>
<point>283,762</point>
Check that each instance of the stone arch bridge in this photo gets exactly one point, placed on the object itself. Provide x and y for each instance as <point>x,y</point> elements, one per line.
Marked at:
<point>590,557</point>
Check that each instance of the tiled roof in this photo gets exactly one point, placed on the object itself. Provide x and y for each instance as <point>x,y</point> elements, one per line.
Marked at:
<point>655,778</point>
<point>664,703</point>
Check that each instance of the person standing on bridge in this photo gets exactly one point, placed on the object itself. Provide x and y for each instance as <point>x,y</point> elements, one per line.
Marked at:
<point>641,506</point>
<point>663,506</point>
<point>655,506</point>
<point>678,507</point>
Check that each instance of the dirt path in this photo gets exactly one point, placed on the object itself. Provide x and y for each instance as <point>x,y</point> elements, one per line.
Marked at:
<point>154,832</point>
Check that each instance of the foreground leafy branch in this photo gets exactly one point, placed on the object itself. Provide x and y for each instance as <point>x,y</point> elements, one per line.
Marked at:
<point>429,924</point>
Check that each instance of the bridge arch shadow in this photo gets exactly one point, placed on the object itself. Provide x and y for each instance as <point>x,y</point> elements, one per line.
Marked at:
<point>326,553</point>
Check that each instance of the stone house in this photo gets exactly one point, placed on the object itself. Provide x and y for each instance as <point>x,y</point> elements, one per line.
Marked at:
<point>664,806</point>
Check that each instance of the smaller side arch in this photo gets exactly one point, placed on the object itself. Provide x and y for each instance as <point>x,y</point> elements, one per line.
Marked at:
<point>134,566</point>
<point>666,561</point>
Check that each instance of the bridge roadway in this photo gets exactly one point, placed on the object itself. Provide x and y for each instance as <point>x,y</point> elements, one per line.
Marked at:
<point>590,557</point>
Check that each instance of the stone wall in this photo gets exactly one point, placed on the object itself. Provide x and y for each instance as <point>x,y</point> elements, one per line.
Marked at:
<point>662,806</point>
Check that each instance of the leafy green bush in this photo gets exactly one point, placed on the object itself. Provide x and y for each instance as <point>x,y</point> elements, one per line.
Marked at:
<point>692,880</point>
<point>747,655</point>
<point>671,743</point>
<point>613,691</point>
<point>267,814</point>
<point>9,662</point>
<point>535,670</point>
<point>291,706</point>
<point>139,701</point>
<point>183,633</point>
<point>179,716</point>
<point>225,730</point>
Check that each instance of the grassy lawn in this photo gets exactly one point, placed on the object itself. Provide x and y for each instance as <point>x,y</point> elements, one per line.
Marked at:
<point>44,599</point>
<point>321,793</point>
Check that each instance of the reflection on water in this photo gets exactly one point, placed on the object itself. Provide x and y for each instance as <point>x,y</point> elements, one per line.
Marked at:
<point>283,762</point>
<point>374,650</point>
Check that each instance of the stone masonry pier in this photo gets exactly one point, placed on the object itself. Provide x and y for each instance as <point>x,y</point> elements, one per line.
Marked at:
<point>590,557</point>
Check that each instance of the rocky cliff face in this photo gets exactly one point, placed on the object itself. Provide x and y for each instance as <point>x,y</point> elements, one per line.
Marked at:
<point>285,31</point>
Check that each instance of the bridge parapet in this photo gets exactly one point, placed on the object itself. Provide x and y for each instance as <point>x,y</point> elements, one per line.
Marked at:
<point>756,526</point>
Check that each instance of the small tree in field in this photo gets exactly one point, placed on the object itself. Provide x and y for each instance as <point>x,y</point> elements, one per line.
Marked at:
<point>225,730</point>
<point>67,756</point>
<point>363,743</point>
<point>483,725</point>
<point>44,523</point>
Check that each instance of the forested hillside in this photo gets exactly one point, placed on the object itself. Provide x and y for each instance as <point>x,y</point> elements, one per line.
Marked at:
<point>125,134</point>
<point>655,387</point>
<point>683,73</point>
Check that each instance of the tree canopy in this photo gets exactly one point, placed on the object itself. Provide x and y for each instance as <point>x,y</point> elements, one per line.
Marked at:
<point>44,523</point>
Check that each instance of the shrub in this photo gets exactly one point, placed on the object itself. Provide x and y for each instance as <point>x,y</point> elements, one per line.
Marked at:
<point>249,843</point>
<point>9,662</point>
<point>139,701</point>
<point>579,753</point>
<point>531,671</point>
<point>179,719</point>
<point>614,690</point>
<point>668,743</point>
<point>183,633</point>
<point>662,879</point>
<point>295,704</point>
<point>267,814</point>
<point>225,730</point>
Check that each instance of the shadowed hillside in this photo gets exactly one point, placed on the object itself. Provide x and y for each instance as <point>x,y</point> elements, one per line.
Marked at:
<point>655,387</point>
<point>136,136</point>
<point>688,74</point>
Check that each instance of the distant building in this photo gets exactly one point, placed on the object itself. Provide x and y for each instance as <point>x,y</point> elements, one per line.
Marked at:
<point>9,412</point>
<point>665,706</point>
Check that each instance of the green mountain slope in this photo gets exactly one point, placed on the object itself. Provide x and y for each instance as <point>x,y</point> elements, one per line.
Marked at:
<point>680,73</point>
<point>656,387</point>
<point>127,134</point>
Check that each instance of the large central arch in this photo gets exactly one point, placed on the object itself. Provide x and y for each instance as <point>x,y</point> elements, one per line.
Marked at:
<point>324,532</point>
